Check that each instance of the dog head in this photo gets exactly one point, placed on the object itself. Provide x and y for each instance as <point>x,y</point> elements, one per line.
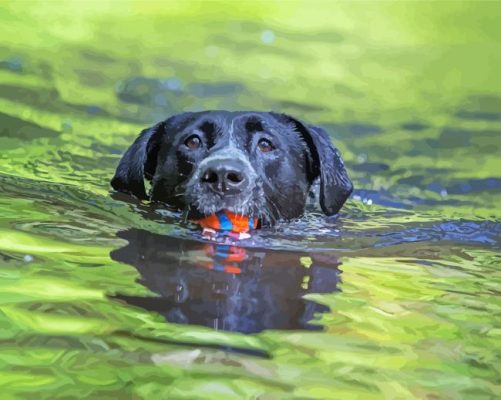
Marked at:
<point>259,164</point>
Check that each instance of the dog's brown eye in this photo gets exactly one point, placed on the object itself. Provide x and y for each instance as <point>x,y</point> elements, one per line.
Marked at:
<point>193,142</point>
<point>265,145</point>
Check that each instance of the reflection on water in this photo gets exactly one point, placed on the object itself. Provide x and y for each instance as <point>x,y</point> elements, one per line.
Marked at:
<point>417,118</point>
<point>227,287</point>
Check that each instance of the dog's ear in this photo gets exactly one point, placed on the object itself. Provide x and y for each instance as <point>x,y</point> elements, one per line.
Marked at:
<point>139,162</point>
<point>335,185</point>
<point>326,162</point>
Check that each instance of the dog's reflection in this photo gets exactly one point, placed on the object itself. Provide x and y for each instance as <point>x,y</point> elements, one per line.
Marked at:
<point>227,287</point>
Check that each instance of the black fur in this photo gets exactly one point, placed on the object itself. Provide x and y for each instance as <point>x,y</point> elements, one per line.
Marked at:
<point>230,170</point>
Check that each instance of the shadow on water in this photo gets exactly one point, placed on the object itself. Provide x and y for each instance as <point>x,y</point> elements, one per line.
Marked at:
<point>227,287</point>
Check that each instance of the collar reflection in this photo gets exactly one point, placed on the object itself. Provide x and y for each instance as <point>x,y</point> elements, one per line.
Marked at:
<point>227,287</point>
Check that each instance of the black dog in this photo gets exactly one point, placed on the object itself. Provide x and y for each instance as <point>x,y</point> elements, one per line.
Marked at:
<point>259,164</point>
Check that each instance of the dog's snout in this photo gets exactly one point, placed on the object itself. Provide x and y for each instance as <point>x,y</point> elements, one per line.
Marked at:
<point>225,178</point>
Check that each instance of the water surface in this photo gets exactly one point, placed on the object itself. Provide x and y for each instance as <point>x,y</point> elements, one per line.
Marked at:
<point>397,297</point>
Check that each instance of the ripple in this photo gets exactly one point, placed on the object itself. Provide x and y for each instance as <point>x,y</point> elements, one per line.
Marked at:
<point>472,232</point>
<point>22,129</point>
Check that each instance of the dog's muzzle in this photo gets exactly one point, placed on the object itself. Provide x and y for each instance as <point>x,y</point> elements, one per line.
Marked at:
<point>226,178</point>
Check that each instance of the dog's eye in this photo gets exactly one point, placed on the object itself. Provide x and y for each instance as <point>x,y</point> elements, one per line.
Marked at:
<point>265,145</point>
<point>193,142</point>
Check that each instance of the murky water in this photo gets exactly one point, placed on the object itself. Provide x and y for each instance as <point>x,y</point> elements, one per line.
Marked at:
<point>397,297</point>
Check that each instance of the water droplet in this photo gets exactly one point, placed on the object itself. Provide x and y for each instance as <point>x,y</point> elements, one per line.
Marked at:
<point>173,84</point>
<point>362,158</point>
<point>268,36</point>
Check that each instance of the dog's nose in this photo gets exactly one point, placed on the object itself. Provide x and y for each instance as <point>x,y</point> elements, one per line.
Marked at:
<point>227,179</point>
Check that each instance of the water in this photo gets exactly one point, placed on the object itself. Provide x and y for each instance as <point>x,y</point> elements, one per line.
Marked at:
<point>397,297</point>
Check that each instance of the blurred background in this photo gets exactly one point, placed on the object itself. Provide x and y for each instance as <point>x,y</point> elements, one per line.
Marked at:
<point>410,92</point>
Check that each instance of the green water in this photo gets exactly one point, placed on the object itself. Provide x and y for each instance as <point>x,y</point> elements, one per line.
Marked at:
<point>411,93</point>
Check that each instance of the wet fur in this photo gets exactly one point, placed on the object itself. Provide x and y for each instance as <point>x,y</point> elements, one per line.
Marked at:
<point>279,181</point>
